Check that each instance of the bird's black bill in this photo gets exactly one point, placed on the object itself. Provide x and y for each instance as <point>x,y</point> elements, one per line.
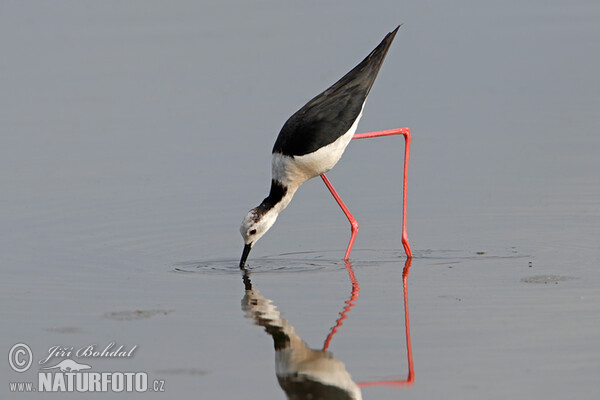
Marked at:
<point>245,253</point>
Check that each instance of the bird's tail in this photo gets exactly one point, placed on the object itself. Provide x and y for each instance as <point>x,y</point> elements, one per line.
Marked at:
<point>369,67</point>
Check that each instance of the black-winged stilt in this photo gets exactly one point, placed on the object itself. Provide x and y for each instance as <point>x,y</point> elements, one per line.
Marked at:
<point>312,141</point>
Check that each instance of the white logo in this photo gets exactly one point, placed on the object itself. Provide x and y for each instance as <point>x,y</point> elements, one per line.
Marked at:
<point>69,366</point>
<point>20,357</point>
<point>69,375</point>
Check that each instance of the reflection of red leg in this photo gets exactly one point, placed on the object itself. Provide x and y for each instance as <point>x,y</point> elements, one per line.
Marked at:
<point>410,378</point>
<point>411,372</point>
<point>353,223</point>
<point>349,305</point>
<point>406,133</point>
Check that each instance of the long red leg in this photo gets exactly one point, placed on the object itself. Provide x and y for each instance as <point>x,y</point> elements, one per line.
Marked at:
<point>406,133</point>
<point>353,223</point>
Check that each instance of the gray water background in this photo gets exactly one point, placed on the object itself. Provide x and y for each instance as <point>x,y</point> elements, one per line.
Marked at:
<point>136,135</point>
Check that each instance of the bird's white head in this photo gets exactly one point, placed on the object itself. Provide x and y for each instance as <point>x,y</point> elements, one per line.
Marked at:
<point>256,223</point>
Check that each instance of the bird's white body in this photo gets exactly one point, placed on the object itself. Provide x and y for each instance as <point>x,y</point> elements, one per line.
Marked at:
<point>293,171</point>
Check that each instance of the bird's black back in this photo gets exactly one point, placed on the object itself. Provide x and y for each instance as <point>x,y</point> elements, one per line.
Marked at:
<point>331,114</point>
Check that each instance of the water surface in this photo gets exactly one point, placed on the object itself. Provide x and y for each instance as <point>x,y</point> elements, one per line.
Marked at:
<point>136,136</point>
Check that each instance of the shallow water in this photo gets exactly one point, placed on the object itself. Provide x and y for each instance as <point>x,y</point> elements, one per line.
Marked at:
<point>136,136</point>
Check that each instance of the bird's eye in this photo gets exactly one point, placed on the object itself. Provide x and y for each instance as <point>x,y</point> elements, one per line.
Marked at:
<point>253,232</point>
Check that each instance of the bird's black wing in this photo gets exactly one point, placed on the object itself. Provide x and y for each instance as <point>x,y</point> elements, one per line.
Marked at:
<point>331,114</point>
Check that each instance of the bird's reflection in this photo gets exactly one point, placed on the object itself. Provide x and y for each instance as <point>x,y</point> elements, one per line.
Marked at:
<point>305,373</point>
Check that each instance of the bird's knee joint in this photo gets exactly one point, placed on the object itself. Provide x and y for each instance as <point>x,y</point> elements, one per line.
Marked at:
<point>354,226</point>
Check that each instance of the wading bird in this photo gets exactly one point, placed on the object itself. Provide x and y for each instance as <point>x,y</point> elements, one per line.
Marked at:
<point>312,141</point>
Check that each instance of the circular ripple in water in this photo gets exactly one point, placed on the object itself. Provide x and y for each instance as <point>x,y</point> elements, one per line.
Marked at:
<point>331,260</point>
<point>289,262</point>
